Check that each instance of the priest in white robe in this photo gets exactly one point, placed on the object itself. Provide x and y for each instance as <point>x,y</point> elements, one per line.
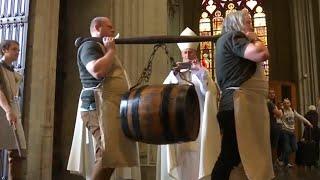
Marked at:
<point>192,160</point>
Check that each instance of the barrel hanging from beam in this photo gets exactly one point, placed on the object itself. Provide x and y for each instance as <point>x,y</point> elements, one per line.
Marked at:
<point>161,114</point>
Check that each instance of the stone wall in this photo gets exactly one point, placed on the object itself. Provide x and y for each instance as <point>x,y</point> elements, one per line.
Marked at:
<point>40,87</point>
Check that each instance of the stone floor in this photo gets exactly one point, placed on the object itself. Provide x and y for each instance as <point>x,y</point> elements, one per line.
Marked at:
<point>298,173</point>
<point>148,173</point>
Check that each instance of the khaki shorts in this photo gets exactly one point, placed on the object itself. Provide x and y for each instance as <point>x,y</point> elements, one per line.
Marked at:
<point>90,120</point>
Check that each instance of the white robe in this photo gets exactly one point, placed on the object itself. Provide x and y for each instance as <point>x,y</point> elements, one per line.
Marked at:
<point>193,160</point>
<point>81,159</point>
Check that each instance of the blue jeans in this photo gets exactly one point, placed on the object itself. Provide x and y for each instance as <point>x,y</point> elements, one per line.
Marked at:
<point>289,145</point>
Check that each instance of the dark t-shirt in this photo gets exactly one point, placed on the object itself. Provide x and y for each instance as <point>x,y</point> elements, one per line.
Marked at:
<point>87,52</point>
<point>232,69</point>
<point>271,107</point>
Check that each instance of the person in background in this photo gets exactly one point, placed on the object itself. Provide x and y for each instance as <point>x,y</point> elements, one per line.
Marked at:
<point>275,127</point>
<point>312,134</point>
<point>288,131</point>
<point>192,160</point>
<point>11,131</point>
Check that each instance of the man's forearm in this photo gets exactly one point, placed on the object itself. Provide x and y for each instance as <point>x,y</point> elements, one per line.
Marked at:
<point>301,118</point>
<point>4,102</point>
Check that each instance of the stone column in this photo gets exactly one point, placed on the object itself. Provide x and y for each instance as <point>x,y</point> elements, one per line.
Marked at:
<point>306,56</point>
<point>40,87</point>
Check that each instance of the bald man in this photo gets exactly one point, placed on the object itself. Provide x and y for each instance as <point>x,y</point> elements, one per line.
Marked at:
<point>104,82</point>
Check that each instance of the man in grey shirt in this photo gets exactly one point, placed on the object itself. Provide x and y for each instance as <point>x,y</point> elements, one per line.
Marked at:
<point>237,52</point>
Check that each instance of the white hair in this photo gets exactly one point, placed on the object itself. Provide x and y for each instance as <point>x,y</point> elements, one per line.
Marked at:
<point>312,108</point>
<point>234,21</point>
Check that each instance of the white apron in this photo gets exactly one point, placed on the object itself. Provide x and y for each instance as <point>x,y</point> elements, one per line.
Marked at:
<point>253,128</point>
<point>193,160</point>
<point>7,139</point>
<point>119,151</point>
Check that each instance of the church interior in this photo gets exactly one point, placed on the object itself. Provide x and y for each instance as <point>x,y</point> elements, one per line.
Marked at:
<point>47,29</point>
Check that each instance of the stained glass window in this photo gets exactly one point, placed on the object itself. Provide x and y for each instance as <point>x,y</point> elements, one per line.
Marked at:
<point>210,24</point>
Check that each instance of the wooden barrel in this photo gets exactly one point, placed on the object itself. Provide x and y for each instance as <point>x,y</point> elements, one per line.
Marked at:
<point>161,114</point>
